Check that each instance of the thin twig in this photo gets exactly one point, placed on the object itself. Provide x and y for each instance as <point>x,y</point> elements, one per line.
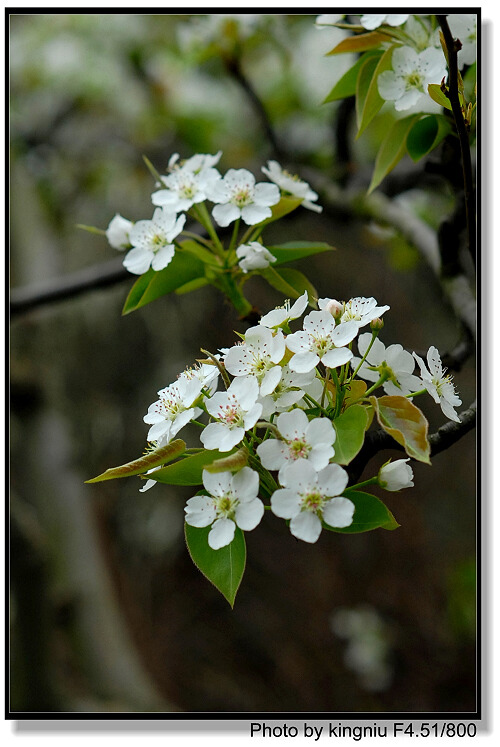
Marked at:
<point>452,47</point>
<point>447,435</point>
<point>100,275</point>
<point>233,67</point>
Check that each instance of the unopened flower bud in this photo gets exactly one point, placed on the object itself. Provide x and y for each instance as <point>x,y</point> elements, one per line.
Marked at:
<point>394,476</point>
<point>335,308</point>
<point>118,232</point>
<point>377,324</point>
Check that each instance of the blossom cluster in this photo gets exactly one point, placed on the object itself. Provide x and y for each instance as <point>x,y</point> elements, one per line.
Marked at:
<point>418,60</point>
<point>278,406</point>
<point>185,189</point>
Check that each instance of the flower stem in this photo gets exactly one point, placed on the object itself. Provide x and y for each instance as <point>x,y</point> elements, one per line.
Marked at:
<point>371,481</point>
<point>234,237</point>
<point>374,336</point>
<point>378,383</point>
<point>201,213</point>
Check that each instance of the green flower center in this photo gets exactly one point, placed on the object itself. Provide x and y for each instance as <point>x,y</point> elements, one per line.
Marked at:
<point>312,502</point>
<point>226,505</point>
<point>414,80</point>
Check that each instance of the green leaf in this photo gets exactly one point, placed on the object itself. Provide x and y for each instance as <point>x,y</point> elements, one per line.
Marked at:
<point>225,567</point>
<point>283,207</point>
<point>350,428</point>
<point>187,471</point>
<point>293,250</point>
<point>182,269</point>
<point>437,94</point>
<point>205,255</point>
<point>292,283</point>
<point>365,79</point>
<point>346,86</point>
<point>405,423</point>
<point>192,286</point>
<point>230,463</point>
<point>426,134</point>
<point>370,513</point>
<point>144,463</point>
<point>359,43</point>
<point>392,149</point>
<point>371,101</point>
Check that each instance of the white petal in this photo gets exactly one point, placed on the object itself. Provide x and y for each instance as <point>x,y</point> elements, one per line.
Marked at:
<point>299,475</point>
<point>248,515</point>
<point>448,410</point>
<point>221,534</point>
<point>338,512</point>
<point>252,416</point>
<point>225,214</point>
<point>200,511</point>
<point>371,21</point>
<point>217,484</point>
<point>304,362</point>
<point>253,214</point>
<point>163,257</point>
<point>306,526</point>
<point>298,342</point>
<point>390,86</point>
<point>408,99</point>
<point>245,484</point>
<point>158,430</point>
<point>272,453</point>
<point>138,260</point>
<point>292,424</point>
<point>332,480</point>
<point>320,431</point>
<point>337,357</point>
<point>320,455</point>
<point>266,194</point>
<point>345,332</point>
<point>285,503</point>
<point>270,380</point>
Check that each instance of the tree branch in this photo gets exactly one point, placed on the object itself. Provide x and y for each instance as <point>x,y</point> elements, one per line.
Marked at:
<point>74,284</point>
<point>233,67</point>
<point>447,435</point>
<point>453,46</point>
<point>381,208</point>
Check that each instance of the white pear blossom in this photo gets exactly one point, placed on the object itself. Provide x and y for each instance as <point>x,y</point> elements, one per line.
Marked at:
<point>321,341</point>
<point>393,361</point>
<point>206,373</point>
<point>235,411</point>
<point>406,84</point>
<point>310,497</point>
<point>238,196</point>
<point>372,21</point>
<point>258,357</point>
<point>232,502</point>
<point>184,188</point>
<point>254,256</point>
<point>327,19</point>
<point>291,184</point>
<point>361,310</point>
<point>152,241</point>
<point>195,164</point>
<point>118,232</point>
<point>301,439</point>
<point>396,475</point>
<point>283,314</point>
<point>173,410</point>
<point>289,390</point>
<point>439,384</point>
<point>464,27</point>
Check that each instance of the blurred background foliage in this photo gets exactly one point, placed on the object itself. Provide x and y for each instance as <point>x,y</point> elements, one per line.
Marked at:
<point>107,611</point>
